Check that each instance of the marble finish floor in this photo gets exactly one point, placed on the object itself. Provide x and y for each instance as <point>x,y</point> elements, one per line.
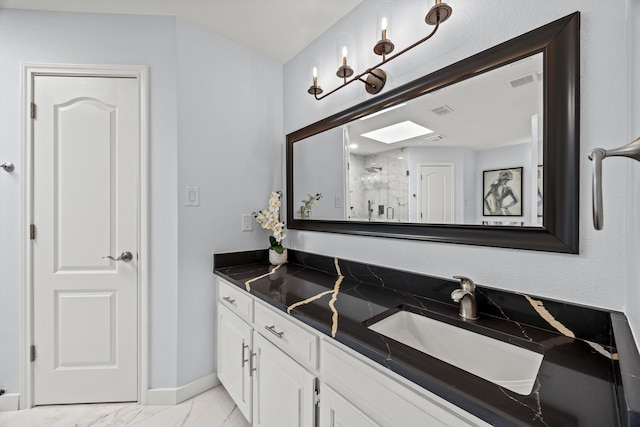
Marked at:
<point>213,408</point>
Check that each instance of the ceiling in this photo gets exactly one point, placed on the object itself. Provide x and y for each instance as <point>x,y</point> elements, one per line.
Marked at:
<point>481,113</point>
<point>277,29</point>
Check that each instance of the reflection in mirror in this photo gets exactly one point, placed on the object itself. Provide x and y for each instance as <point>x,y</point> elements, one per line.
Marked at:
<point>468,153</point>
<point>489,153</point>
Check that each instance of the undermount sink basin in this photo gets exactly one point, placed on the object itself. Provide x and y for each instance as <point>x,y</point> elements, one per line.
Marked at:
<point>507,365</point>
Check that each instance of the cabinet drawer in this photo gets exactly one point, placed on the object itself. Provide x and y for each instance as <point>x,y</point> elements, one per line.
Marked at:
<point>385,400</point>
<point>296,341</point>
<point>237,300</point>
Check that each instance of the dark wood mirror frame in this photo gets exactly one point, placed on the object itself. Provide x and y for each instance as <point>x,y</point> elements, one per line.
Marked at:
<point>559,42</point>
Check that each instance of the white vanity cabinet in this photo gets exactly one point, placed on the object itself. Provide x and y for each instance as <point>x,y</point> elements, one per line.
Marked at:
<point>234,350</point>
<point>272,365</point>
<point>270,388</point>
<point>385,398</point>
<point>336,411</point>
<point>283,391</point>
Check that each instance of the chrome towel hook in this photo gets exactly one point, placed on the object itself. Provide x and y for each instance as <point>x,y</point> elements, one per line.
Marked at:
<point>631,150</point>
<point>7,166</point>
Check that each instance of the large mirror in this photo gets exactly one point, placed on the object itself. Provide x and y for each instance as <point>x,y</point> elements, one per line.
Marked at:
<point>482,152</point>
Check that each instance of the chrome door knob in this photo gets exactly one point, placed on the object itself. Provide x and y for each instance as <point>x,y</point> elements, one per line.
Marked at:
<point>124,256</point>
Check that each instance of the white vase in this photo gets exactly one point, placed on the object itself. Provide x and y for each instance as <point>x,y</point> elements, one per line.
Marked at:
<point>277,259</point>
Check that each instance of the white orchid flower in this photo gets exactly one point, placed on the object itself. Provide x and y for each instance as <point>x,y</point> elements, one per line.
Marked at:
<point>274,204</point>
<point>277,228</point>
<point>270,218</point>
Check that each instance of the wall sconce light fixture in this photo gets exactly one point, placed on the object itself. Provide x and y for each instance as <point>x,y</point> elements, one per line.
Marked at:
<point>374,77</point>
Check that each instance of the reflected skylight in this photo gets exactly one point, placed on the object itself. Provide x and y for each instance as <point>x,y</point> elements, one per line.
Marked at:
<point>398,132</point>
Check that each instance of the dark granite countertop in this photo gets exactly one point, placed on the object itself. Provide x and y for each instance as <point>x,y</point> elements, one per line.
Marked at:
<point>579,381</point>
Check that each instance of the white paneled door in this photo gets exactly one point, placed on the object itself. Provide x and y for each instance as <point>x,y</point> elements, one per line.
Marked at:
<point>436,194</point>
<point>86,145</point>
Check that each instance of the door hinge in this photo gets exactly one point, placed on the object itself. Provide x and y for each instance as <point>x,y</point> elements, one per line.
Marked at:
<point>32,232</point>
<point>33,110</point>
<point>252,365</point>
<point>316,399</point>
<point>316,392</point>
<point>32,353</point>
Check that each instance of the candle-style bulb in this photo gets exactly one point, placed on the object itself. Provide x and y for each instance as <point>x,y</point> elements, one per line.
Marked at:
<point>344,55</point>
<point>384,28</point>
<point>315,77</point>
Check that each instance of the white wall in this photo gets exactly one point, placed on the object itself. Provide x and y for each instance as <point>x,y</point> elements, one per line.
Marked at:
<point>215,122</point>
<point>633,170</point>
<point>597,276</point>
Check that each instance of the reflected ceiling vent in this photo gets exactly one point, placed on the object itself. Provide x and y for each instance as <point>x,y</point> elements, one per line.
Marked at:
<point>522,80</point>
<point>434,138</point>
<point>442,111</point>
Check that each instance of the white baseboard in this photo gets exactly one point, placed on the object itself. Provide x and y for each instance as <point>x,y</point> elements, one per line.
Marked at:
<point>173,396</point>
<point>10,402</point>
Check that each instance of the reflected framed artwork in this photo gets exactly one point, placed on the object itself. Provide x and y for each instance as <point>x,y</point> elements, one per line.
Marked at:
<point>502,192</point>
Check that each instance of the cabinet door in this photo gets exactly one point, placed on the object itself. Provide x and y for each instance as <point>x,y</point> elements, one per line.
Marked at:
<point>234,349</point>
<point>335,411</point>
<point>283,390</point>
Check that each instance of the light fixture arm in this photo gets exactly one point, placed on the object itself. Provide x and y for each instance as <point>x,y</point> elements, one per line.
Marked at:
<point>370,71</point>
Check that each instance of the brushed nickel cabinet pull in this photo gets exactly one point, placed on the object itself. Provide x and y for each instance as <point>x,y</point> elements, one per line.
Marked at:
<point>272,329</point>
<point>243,359</point>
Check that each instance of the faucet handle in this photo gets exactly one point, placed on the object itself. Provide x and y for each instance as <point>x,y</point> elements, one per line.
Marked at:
<point>458,294</point>
<point>466,283</point>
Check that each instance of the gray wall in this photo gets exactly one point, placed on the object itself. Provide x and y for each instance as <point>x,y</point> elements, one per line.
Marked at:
<point>229,142</point>
<point>320,169</point>
<point>198,137</point>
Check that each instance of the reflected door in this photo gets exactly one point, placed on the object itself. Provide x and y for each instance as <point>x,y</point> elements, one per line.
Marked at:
<point>86,157</point>
<point>436,194</point>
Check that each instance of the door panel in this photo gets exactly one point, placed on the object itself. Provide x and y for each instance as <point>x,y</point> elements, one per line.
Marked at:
<point>234,349</point>
<point>79,190</point>
<point>91,316</point>
<point>283,390</point>
<point>436,193</point>
<point>86,156</point>
<point>336,411</point>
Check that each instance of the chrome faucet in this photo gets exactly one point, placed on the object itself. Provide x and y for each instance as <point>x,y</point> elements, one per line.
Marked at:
<point>466,297</point>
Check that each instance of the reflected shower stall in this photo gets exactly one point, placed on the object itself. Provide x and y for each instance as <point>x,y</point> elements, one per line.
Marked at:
<point>378,187</point>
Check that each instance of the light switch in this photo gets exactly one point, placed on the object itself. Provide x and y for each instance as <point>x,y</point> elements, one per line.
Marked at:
<point>192,196</point>
<point>247,222</point>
